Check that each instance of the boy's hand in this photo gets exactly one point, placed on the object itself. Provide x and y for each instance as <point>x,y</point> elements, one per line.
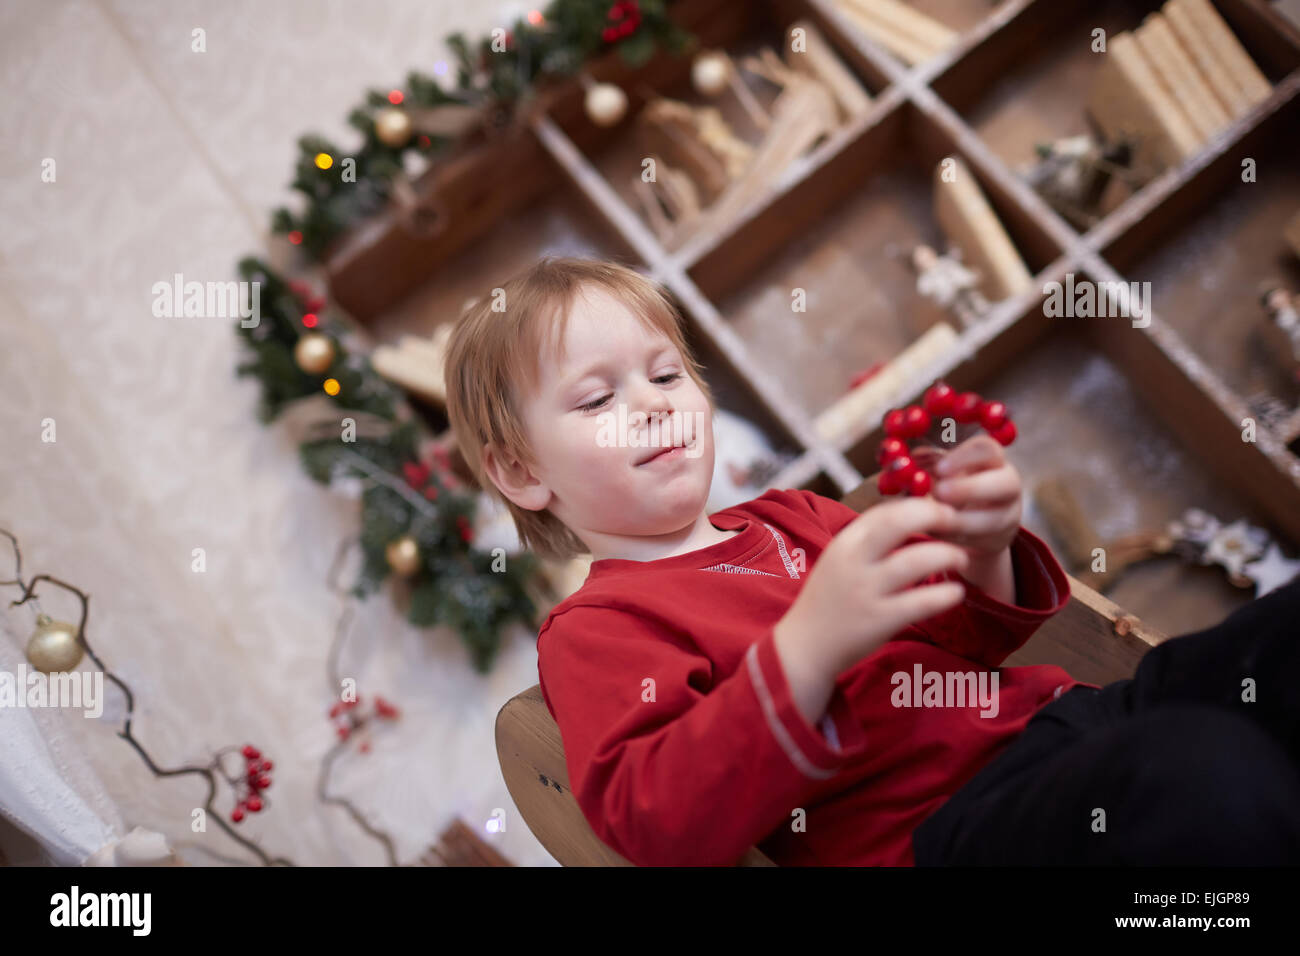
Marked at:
<point>985,488</point>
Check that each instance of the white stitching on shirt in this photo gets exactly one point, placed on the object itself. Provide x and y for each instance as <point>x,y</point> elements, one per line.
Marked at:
<point>780,543</point>
<point>774,721</point>
<point>737,569</point>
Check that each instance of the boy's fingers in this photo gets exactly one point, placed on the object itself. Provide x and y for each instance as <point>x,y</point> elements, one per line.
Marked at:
<point>885,526</point>
<point>916,604</point>
<point>986,487</point>
<point>978,452</point>
<point>915,562</point>
<point>983,522</point>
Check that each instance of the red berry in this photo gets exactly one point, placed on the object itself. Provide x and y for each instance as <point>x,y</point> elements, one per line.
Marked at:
<point>251,752</point>
<point>254,804</point>
<point>263,782</point>
<point>916,420</point>
<point>890,448</point>
<point>1005,434</point>
<point>967,407</point>
<point>895,424</point>
<point>237,814</point>
<point>992,415</point>
<point>609,34</point>
<point>939,399</point>
<point>919,484</point>
<point>885,483</point>
<point>267,765</point>
<point>903,467</point>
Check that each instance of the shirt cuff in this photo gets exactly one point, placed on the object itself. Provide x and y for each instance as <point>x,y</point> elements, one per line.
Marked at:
<point>818,752</point>
<point>1042,587</point>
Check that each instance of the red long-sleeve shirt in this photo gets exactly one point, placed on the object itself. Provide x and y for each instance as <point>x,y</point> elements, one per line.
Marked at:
<point>684,744</point>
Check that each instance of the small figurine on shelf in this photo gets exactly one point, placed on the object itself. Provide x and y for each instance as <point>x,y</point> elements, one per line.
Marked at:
<point>948,283</point>
<point>1246,552</point>
<point>1072,174</point>
<point>1283,328</point>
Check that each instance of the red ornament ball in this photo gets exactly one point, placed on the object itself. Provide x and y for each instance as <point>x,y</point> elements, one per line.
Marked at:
<point>919,483</point>
<point>939,399</point>
<point>1005,433</point>
<point>890,448</point>
<point>993,415</point>
<point>916,420</point>
<point>966,409</point>
<point>896,423</point>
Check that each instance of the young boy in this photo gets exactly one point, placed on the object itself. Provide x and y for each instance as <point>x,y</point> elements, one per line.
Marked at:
<point>789,673</point>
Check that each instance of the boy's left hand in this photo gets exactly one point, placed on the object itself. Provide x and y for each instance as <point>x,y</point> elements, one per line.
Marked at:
<point>985,488</point>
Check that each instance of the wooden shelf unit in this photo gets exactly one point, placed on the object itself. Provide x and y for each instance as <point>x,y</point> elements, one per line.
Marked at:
<point>962,102</point>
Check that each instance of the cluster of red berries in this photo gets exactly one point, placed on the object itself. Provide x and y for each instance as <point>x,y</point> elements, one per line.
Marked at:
<point>899,472</point>
<point>626,16</point>
<point>311,302</point>
<point>383,710</point>
<point>255,777</point>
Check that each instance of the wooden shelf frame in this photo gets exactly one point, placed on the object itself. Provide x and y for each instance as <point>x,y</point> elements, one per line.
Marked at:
<point>1194,401</point>
<point>1184,392</point>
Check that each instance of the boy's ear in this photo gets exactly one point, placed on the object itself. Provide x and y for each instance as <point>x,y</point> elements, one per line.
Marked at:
<point>514,480</point>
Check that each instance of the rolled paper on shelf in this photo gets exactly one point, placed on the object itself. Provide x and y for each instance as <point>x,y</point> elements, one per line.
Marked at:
<point>885,30</point>
<point>1128,102</point>
<point>863,406</point>
<point>819,60</point>
<point>1226,48</point>
<point>1180,77</point>
<point>970,223</point>
<point>1232,97</point>
<point>895,22</point>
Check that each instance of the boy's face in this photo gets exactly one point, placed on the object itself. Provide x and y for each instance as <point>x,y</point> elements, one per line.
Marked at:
<point>619,395</point>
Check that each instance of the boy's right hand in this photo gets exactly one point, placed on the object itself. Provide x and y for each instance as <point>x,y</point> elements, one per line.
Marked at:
<point>857,595</point>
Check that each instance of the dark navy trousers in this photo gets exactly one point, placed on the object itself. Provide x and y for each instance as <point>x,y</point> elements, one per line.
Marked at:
<point>1170,767</point>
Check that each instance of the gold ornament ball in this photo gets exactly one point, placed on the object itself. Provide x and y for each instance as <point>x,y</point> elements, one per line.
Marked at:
<point>606,104</point>
<point>393,127</point>
<point>403,556</point>
<point>709,73</point>
<point>314,353</point>
<point>53,646</point>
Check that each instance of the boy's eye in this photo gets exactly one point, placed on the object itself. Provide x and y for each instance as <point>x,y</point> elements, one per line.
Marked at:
<point>665,379</point>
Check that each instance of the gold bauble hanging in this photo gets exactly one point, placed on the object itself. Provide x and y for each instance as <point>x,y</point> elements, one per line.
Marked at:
<point>314,353</point>
<point>403,556</point>
<point>53,646</point>
<point>393,127</point>
<point>709,73</point>
<point>605,104</point>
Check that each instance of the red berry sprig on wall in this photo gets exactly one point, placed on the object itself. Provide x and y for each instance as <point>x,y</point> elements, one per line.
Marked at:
<point>899,471</point>
<point>353,721</point>
<point>624,17</point>
<point>256,780</point>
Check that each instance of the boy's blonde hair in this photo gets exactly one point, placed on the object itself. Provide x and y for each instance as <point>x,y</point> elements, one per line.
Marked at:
<point>493,365</point>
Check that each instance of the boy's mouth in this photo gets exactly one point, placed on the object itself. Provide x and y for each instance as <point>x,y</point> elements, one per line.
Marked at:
<point>677,451</point>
